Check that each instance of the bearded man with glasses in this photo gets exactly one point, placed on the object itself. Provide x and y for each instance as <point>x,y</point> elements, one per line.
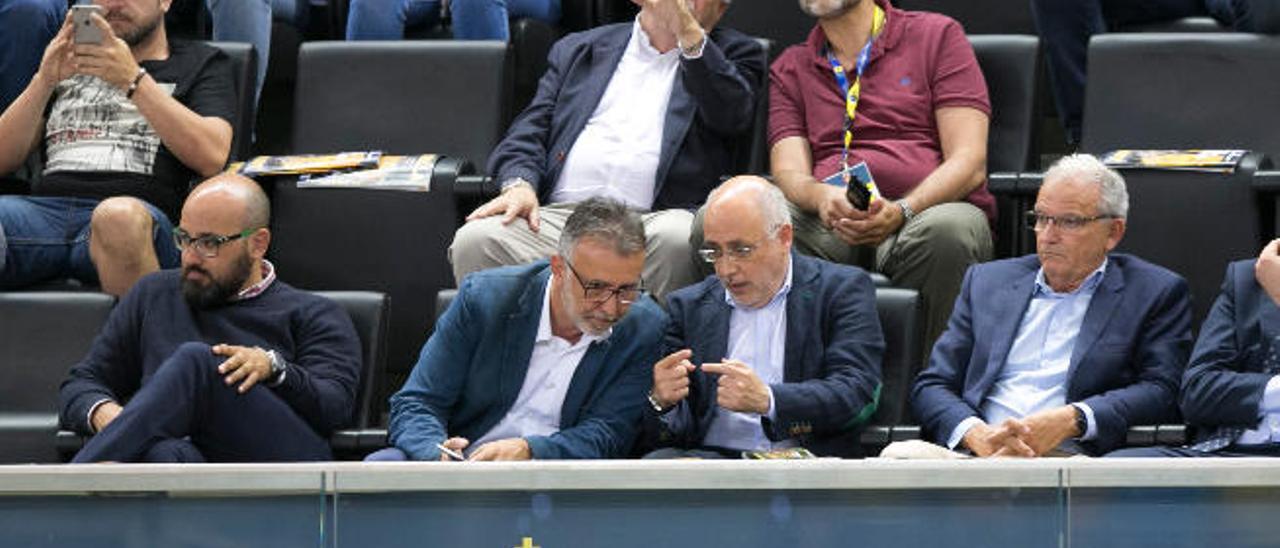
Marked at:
<point>1062,351</point>
<point>775,351</point>
<point>548,360</point>
<point>218,361</point>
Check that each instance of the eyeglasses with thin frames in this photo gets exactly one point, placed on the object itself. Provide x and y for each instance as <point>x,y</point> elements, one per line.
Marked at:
<point>600,294</point>
<point>738,252</point>
<point>1040,222</point>
<point>206,246</point>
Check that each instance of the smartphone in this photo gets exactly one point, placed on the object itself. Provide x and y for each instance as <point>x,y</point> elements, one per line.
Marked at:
<point>86,32</point>
<point>450,452</point>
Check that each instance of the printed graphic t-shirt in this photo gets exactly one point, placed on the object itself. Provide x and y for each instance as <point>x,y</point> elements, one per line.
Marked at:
<point>98,145</point>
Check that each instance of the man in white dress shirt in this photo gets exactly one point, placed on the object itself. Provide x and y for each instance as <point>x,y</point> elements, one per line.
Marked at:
<point>649,113</point>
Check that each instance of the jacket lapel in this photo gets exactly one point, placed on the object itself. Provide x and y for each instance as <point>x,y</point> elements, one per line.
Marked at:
<point>605,56</point>
<point>584,377</point>
<point>1011,304</point>
<point>800,303</point>
<point>680,109</point>
<point>523,322</point>
<point>1105,301</point>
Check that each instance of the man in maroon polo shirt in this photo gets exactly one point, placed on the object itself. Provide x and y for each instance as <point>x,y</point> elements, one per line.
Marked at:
<point>919,122</point>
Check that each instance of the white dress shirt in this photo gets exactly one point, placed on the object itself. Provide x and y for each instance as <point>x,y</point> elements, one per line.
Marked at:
<point>617,153</point>
<point>536,411</point>
<point>758,338</point>
<point>1034,376</point>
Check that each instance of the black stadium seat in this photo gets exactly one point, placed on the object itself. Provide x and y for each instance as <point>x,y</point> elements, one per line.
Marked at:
<point>42,334</point>
<point>1189,91</point>
<point>442,96</point>
<point>244,66</point>
<point>980,16</point>
<point>369,312</point>
<point>1010,63</point>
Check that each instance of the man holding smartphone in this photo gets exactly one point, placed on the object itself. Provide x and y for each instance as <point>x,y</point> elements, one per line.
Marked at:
<point>124,125</point>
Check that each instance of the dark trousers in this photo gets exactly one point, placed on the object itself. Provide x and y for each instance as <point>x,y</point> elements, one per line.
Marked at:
<point>186,413</point>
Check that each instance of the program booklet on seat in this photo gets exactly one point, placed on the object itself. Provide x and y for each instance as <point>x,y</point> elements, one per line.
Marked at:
<point>392,173</point>
<point>1211,161</point>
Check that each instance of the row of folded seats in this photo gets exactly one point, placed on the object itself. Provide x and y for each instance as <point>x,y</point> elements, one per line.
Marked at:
<point>1139,97</point>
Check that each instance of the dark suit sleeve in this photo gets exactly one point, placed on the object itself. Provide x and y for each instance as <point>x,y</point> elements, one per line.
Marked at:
<point>320,379</point>
<point>937,399</point>
<point>113,368</point>
<point>1221,385</point>
<point>1160,355</point>
<point>421,410</point>
<point>725,81</point>
<point>847,391</point>
<point>675,428</point>
<point>523,151</point>
<point>607,428</point>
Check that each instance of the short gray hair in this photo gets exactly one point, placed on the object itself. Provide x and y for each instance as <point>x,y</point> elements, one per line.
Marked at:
<point>772,203</point>
<point>606,221</point>
<point>1087,168</point>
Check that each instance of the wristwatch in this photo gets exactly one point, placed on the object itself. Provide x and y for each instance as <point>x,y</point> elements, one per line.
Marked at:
<point>907,212</point>
<point>277,365</point>
<point>653,402</point>
<point>1082,421</point>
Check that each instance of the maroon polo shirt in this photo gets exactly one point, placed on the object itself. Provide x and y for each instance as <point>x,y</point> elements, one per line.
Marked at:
<point>920,63</point>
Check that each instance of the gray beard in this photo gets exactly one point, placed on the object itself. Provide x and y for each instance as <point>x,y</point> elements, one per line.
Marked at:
<point>844,8</point>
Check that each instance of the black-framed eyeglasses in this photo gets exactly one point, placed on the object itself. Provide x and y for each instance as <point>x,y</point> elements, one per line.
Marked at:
<point>1039,221</point>
<point>738,252</point>
<point>599,293</point>
<point>206,246</point>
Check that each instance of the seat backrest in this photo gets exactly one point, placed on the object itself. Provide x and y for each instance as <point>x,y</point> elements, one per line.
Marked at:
<point>980,16</point>
<point>443,299</point>
<point>369,313</point>
<point>42,334</point>
<point>752,153</point>
<point>1010,64</point>
<point>443,96</point>
<point>1197,90</point>
<point>244,67</point>
<point>779,21</point>
<point>902,322</point>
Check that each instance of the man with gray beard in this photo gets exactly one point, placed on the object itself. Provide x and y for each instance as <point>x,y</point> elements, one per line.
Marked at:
<point>218,361</point>
<point>124,125</point>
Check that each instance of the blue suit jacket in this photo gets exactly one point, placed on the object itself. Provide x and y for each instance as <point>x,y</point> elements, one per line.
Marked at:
<point>712,106</point>
<point>1125,365</point>
<point>473,366</point>
<point>1224,383</point>
<point>831,373</point>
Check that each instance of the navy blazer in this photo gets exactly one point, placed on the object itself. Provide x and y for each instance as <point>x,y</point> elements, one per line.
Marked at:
<point>1125,364</point>
<point>473,366</point>
<point>711,109</point>
<point>1224,383</point>
<point>831,372</point>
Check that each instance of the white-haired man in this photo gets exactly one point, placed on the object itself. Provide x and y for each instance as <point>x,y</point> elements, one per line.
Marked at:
<point>1061,351</point>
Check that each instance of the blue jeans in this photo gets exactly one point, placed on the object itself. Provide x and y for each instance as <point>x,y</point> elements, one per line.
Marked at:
<point>472,19</point>
<point>250,21</point>
<point>26,27</point>
<point>47,238</point>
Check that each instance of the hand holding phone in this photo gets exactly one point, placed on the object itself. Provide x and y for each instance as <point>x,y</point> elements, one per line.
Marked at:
<point>86,32</point>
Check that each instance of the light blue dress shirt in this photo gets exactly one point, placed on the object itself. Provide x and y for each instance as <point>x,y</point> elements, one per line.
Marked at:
<point>758,338</point>
<point>1034,377</point>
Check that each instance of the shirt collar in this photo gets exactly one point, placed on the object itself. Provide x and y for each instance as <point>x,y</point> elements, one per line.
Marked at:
<point>779,296</point>
<point>1090,282</point>
<point>544,322</point>
<point>268,276</point>
<point>817,41</point>
<point>642,46</point>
